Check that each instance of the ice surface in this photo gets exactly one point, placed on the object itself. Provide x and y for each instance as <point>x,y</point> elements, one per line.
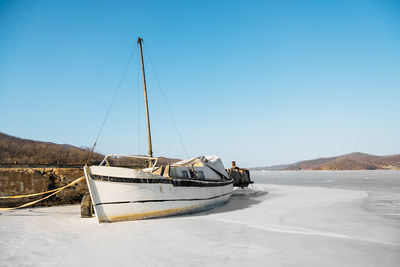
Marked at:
<point>382,186</point>
<point>288,226</point>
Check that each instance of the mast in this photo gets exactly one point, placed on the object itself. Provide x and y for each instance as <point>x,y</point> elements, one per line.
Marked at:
<point>140,40</point>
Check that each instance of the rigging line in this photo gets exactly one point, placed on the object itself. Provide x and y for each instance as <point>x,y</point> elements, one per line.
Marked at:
<point>112,101</point>
<point>166,102</point>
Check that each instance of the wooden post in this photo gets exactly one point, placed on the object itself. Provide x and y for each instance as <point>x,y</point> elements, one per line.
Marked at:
<point>140,40</point>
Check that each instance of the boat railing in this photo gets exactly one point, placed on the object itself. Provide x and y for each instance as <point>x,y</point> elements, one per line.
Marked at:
<point>151,159</point>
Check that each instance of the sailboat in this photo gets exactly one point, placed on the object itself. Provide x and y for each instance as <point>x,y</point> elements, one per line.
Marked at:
<point>123,193</point>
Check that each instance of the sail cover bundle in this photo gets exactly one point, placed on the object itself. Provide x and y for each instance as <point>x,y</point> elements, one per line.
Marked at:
<point>213,162</point>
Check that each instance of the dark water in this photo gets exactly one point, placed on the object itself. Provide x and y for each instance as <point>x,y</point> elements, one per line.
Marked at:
<point>383,187</point>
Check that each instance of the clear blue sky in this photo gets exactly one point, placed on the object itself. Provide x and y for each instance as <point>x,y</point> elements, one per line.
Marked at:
<point>260,82</point>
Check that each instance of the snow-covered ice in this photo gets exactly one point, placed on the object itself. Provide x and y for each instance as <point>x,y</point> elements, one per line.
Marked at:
<point>269,225</point>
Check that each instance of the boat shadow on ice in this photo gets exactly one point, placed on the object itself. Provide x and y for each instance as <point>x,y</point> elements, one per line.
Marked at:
<point>241,198</point>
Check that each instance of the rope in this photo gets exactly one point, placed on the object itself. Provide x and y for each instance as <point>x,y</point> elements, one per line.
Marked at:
<point>166,103</point>
<point>56,191</point>
<point>112,102</point>
<point>30,195</point>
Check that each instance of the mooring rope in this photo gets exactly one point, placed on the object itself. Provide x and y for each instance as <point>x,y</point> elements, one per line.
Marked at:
<point>56,191</point>
<point>29,195</point>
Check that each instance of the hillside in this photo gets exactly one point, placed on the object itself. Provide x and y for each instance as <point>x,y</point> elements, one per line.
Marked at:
<point>28,166</point>
<point>18,151</point>
<point>14,150</point>
<point>353,161</point>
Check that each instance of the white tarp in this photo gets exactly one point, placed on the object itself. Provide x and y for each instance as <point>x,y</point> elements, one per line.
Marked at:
<point>213,162</point>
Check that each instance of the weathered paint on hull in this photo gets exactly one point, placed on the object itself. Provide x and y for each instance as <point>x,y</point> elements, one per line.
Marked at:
<point>160,213</point>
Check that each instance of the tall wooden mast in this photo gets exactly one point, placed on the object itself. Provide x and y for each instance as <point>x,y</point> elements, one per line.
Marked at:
<point>140,40</point>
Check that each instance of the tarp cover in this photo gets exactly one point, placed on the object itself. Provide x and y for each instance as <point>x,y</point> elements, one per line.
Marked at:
<point>213,162</point>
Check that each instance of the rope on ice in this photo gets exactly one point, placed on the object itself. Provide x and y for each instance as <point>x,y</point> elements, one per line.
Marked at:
<point>55,191</point>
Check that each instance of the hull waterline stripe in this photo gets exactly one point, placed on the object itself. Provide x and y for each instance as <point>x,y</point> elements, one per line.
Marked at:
<point>174,182</point>
<point>159,200</point>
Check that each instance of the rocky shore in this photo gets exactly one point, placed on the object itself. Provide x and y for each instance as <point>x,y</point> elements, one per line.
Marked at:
<point>21,181</point>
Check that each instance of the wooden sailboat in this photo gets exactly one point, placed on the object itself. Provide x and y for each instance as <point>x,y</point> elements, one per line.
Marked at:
<point>121,193</point>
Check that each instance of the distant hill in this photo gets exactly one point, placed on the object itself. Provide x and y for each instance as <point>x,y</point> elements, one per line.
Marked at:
<point>14,150</point>
<point>353,161</point>
<point>18,151</point>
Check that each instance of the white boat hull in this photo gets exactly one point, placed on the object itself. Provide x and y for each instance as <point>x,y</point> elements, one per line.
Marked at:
<point>120,194</point>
